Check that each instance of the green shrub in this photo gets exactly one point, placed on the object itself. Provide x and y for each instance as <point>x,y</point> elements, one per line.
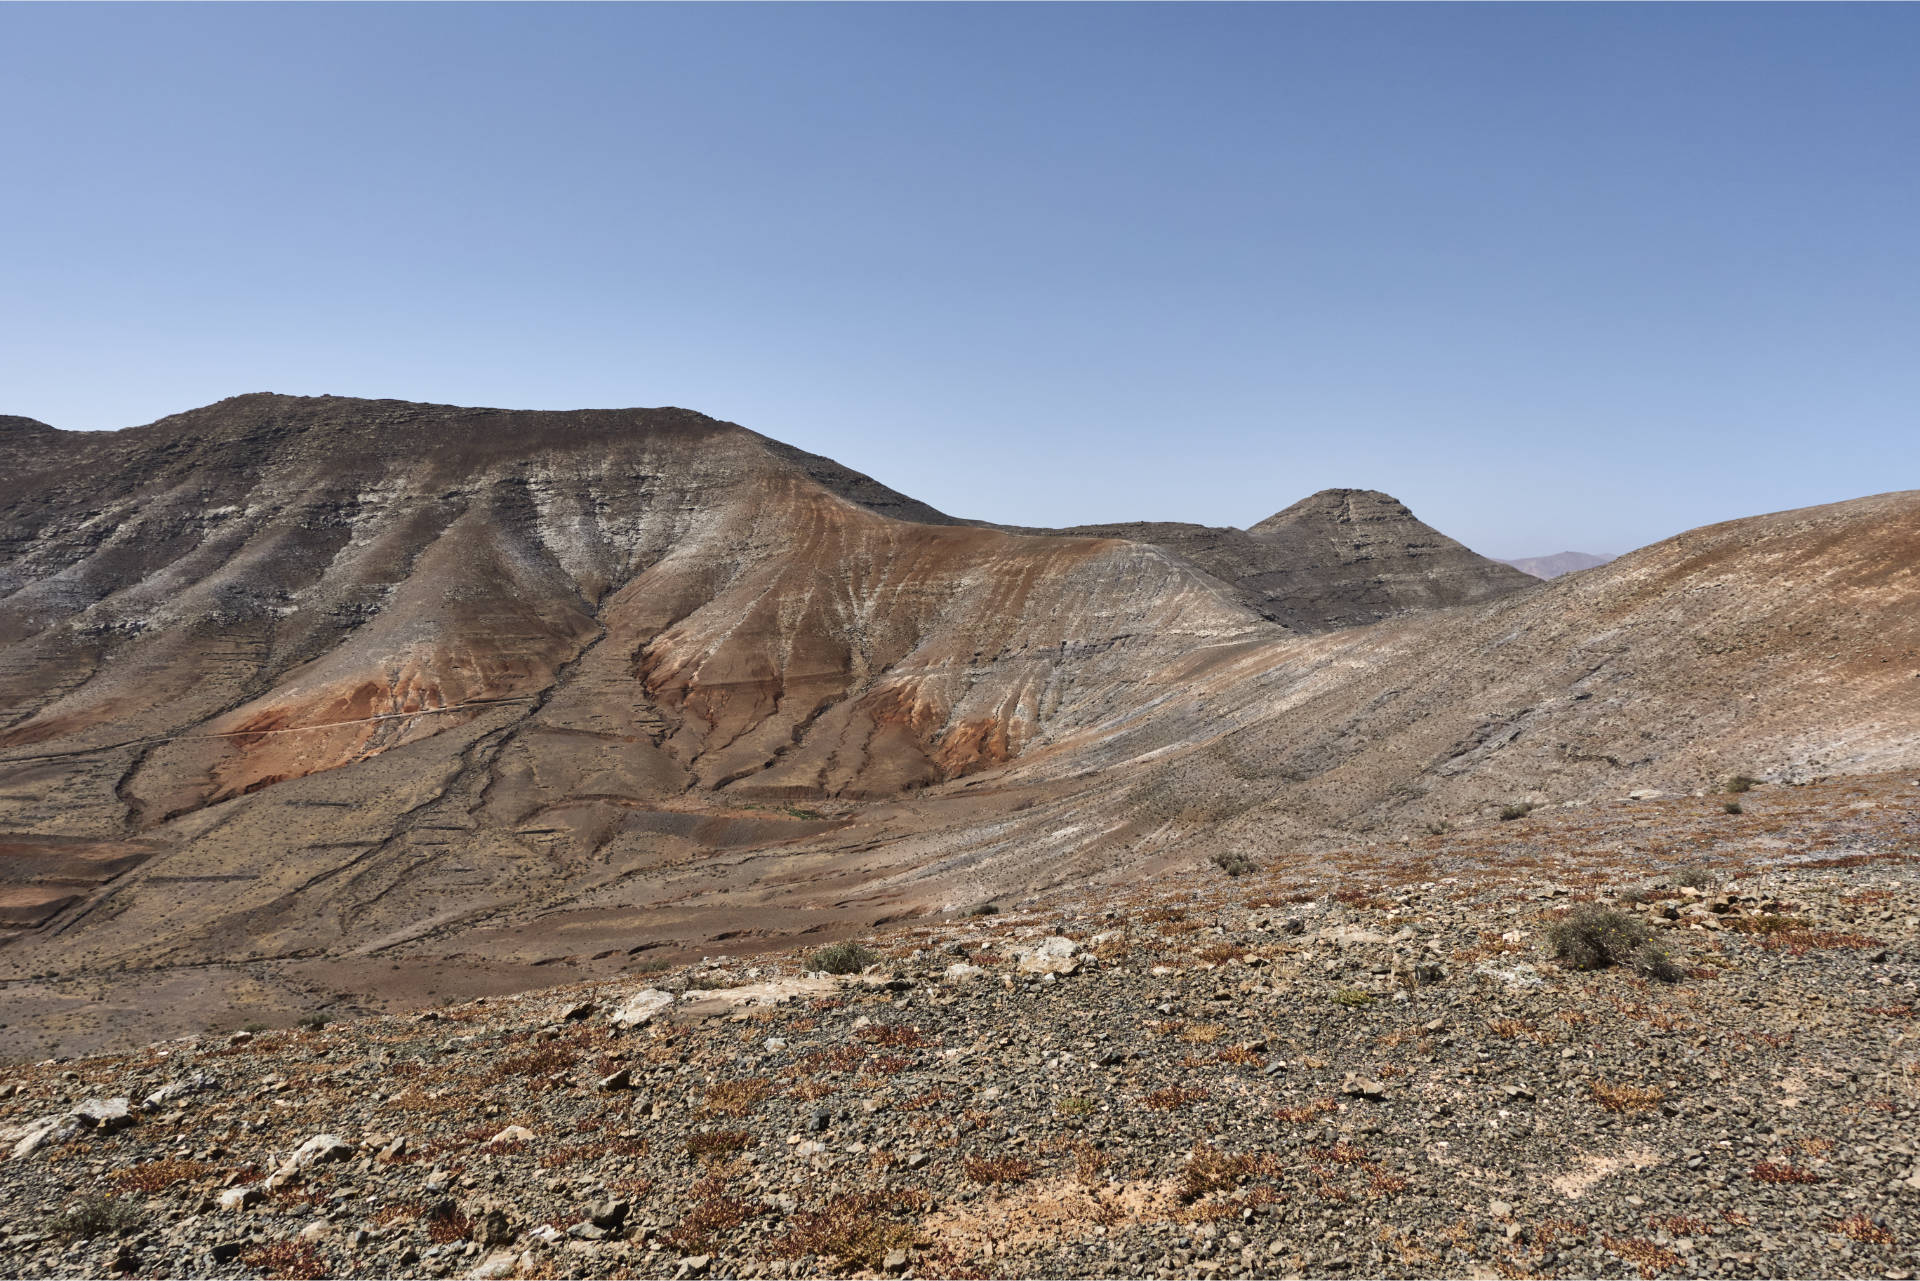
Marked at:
<point>315,1021</point>
<point>98,1216</point>
<point>986,909</point>
<point>844,958</point>
<point>1233,863</point>
<point>1352,997</point>
<point>1696,877</point>
<point>1741,783</point>
<point>1733,807</point>
<point>1510,812</point>
<point>1592,938</point>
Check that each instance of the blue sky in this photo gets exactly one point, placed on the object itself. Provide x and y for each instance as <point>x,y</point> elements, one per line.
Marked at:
<point>1567,276</point>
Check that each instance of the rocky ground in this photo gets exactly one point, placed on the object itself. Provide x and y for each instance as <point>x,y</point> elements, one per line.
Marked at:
<point>1360,1064</point>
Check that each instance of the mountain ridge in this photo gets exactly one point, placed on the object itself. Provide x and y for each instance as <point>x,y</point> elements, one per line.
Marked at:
<point>323,685</point>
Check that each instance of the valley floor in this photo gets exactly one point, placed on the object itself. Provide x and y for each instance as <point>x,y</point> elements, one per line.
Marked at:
<point>1363,1063</point>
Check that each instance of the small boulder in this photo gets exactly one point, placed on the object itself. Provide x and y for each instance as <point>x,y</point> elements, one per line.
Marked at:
<point>642,1008</point>
<point>242,1198</point>
<point>1360,1087</point>
<point>512,1134</point>
<point>104,1115</point>
<point>1052,955</point>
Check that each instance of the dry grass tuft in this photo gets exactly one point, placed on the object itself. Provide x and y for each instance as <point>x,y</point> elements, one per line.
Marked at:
<point>1306,1112</point>
<point>1211,1170</point>
<point>1644,1255</point>
<point>1779,1172</point>
<point>715,1210</point>
<point>850,1229</point>
<point>1173,1096</point>
<point>737,1098</point>
<point>1627,1098</point>
<point>158,1176</point>
<point>718,1143</point>
<point>293,1260</point>
<point>1005,1169</point>
<point>1858,1227</point>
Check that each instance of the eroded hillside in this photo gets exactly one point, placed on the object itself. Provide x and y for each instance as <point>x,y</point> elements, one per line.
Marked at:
<point>390,702</point>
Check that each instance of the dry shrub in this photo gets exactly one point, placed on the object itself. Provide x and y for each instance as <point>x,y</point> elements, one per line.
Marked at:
<point>1211,1170</point>
<point>394,1211</point>
<point>852,1229</point>
<point>809,1091</point>
<point>1238,1054</point>
<point>1341,1153</point>
<point>930,1098</point>
<point>737,1098</point>
<point>1202,1033</point>
<point>888,1065</point>
<point>598,1150</point>
<point>1858,1227</point>
<point>1005,1169</point>
<point>1679,1225</point>
<point>715,1210</point>
<point>545,1060</point>
<point>718,1143</point>
<point>1306,1112</point>
<point>1509,1028</point>
<point>1089,1165</point>
<point>158,1176</point>
<point>898,1035</point>
<point>1800,942</point>
<point>1384,1183</point>
<point>1173,1096</point>
<point>293,1260</point>
<point>1627,1098</point>
<point>1643,1254</point>
<point>1762,923</point>
<point>1780,1172</point>
<point>841,1058</point>
<point>1161,915</point>
<point>446,1224</point>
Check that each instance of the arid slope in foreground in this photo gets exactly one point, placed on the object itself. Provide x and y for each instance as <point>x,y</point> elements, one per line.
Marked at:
<point>1361,1063</point>
<point>333,703</point>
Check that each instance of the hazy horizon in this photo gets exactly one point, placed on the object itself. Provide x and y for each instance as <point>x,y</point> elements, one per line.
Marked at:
<point>1559,278</point>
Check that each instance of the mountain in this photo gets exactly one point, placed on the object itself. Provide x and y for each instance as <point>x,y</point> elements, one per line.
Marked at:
<point>1557,564</point>
<point>320,695</point>
<point>1339,558</point>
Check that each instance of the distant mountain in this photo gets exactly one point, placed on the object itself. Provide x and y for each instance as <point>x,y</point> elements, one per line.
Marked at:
<point>1338,558</point>
<point>1557,564</point>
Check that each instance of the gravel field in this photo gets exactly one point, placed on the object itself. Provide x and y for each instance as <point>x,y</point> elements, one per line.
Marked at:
<point>1323,1067</point>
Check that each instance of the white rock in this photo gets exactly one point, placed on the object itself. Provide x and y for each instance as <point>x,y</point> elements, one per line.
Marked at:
<point>1521,975</point>
<point>198,1083</point>
<point>105,1115</point>
<point>43,1133</point>
<point>318,1150</point>
<point>641,1008</point>
<point>242,1197</point>
<point>1352,936</point>
<point>961,971</point>
<point>1051,955</point>
<point>512,1134</point>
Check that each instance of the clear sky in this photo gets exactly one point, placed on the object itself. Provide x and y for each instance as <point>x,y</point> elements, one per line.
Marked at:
<point>1558,277</point>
